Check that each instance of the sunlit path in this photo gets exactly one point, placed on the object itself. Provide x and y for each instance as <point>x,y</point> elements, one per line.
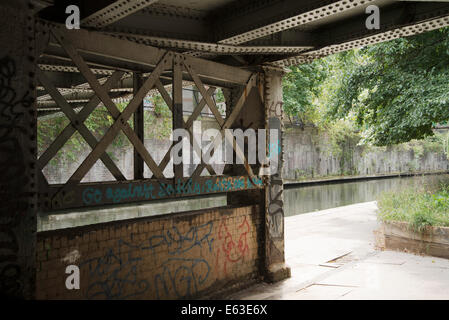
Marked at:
<point>332,256</point>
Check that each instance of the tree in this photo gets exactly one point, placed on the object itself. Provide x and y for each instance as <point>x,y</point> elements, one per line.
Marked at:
<point>398,90</point>
<point>301,86</point>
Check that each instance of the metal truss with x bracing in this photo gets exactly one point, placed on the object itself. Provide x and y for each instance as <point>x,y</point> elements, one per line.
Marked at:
<point>73,193</point>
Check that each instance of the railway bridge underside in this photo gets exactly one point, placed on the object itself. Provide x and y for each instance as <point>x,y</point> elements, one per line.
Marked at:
<point>124,51</point>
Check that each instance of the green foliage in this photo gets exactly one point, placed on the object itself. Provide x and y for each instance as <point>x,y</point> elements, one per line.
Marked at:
<point>98,123</point>
<point>159,125</point>
<point>420,208</point>
<point>430,144</point>
<point>396,91</point>
<point>300,88</point>
<point>47,133</point>
<point>342,134</point>
<point>309,89</point>
<point>341,139</point>
<point>219,96</point>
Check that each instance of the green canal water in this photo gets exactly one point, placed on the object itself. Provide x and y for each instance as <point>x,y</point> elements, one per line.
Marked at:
<point>305,199</point>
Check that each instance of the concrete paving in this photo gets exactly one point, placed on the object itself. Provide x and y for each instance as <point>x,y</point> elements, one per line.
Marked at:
<point>332,256</point>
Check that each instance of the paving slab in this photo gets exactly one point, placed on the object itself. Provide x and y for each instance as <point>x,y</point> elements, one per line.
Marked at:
<point>332,255</point>
<point>320,292</point>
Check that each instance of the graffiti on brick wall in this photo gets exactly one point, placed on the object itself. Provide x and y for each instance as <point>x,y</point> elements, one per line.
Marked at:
<point>13,177</point>
<point>231,250</point>
<point>118,273</point>
<point>182,276</point>
<point>174,262</point>
<point>115,274</point>
<point>177,242</point>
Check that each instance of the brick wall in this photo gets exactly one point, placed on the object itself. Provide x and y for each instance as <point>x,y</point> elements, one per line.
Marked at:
<point>177,256</point>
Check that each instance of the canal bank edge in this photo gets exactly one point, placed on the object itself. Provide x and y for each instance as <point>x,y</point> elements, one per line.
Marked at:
<point>400,236</point>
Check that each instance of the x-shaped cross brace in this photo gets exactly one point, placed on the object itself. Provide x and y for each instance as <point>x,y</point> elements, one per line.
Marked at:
<point>120,118</point>
<point>77,123</point>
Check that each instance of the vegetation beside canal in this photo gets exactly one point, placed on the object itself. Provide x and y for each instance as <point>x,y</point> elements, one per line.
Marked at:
<point>420,208</point>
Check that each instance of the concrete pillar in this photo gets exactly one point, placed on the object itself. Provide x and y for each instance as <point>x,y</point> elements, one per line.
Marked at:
<point>18,187</point>
<point>275,268</point>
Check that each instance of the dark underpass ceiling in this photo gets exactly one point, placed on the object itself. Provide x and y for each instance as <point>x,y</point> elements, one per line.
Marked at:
<point>252,32</point>
<point>242,33</point>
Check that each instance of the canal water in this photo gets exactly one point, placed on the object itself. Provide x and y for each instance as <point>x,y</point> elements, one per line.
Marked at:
<point>297,200</point>
<point>310,198</point>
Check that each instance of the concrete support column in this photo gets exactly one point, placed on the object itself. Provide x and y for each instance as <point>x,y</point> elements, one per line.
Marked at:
<point>276,269</point>
<point>18,150</point>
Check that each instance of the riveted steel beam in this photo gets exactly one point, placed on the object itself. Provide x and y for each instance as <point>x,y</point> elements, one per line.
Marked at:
<point>426,17</point>
<point>166,22</point>
<point>248,23</point>
<point>115,11</point>
<point>96,44</point>
<point>210,47</point>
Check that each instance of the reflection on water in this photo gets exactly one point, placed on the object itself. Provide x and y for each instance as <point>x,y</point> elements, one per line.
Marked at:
<point>299,200</point>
